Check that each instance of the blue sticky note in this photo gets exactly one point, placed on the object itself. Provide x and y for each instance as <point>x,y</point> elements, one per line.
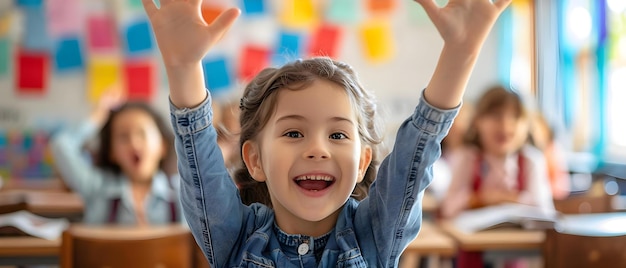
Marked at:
<point>344,11</point>
<point>35,30</point>
<point>68,54</point>
<point>4,56</point>
<point>138,38</point>
<point>217,76</point>
<point>251,7</point>
<point>29,3</point>
<point>288,48</point>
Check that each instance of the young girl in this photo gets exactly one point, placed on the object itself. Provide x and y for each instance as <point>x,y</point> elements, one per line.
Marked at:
<point>125,183</point>
<point>308,137</point>
<point>498,166</point>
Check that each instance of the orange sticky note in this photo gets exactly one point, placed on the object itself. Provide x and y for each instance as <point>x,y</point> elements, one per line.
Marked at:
<point>299,13</point>
<point>253,60</point>
<point>325,41</point>
<point>31,72</point>
<point>381,6</point>
<point>103,74</point>
<point>211,12</point>
<point>139,77</point>
<point>377,41</point>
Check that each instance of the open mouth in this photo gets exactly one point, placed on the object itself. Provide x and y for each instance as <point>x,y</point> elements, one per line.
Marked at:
<point>136,159</point>
<point>314,182</point>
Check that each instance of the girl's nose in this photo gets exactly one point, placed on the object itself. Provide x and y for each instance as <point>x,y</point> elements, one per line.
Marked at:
<point>317,149</point>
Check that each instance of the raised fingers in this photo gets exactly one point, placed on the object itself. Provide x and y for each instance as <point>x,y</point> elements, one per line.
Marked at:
<point>224,21</point>
<point>149,6</point>
<point>501,4</point>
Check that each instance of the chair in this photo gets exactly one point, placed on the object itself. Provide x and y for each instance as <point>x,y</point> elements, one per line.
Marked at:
<point>114,246</point>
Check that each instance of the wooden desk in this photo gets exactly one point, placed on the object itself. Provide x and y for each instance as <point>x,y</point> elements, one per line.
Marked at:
<point>431,242</point>
<point>48,204</point>
<point>27,250</point>
<point>503,242</point>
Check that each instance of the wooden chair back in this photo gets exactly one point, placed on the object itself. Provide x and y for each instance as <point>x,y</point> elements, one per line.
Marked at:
<point>568,250</point>
<point>112,247</point>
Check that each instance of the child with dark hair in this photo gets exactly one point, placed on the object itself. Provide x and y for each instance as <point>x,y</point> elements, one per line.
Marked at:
<point>126,182</point>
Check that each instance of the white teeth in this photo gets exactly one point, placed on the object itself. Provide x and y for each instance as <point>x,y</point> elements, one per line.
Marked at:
<point>315,178</point>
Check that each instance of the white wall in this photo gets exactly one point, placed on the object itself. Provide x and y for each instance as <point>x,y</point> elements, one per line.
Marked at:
<point>396,83</point>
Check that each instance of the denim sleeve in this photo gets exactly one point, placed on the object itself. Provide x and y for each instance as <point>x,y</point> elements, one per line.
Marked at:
<point>392,213</point>
<point>73,163</point>
<point>209,197</point>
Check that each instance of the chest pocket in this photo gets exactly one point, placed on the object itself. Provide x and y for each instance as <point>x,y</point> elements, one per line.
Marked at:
<point>352,258</point>
<point>252,261</point>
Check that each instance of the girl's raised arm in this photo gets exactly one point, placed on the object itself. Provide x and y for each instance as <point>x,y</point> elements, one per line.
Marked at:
<point>464,26</point>
<point>184,38</point>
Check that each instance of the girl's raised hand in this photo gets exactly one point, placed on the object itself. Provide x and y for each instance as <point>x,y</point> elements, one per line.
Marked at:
<point>181,33</point>
<point>464,23</point>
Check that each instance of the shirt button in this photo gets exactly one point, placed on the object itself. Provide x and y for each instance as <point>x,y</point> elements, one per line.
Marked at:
<point>303,248</point>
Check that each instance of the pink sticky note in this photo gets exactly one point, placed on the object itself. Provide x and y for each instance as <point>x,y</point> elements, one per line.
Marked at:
<point>101,32</point>
<point>65,17</point>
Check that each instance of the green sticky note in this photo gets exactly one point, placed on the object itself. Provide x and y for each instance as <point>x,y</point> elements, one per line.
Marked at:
<point>344,11</point>
<point>4,55</point>
<point>135,4</point>
<point>417,13</point>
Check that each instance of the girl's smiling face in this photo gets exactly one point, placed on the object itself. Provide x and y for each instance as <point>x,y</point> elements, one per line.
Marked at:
<point>310,155</point>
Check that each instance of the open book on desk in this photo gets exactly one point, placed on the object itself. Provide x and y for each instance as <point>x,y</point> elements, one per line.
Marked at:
<point>505,215</point>
<point>24,222</point>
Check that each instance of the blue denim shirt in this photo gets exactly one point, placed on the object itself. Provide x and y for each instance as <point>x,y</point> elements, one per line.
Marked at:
<point>370,233</point>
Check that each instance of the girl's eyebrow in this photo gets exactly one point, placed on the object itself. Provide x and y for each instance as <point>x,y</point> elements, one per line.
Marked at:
<point>302,118</point>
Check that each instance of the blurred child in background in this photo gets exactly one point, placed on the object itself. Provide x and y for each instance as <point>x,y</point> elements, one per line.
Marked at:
<point>498,166</point>
<point>542,137</point>
<point>126,182</point>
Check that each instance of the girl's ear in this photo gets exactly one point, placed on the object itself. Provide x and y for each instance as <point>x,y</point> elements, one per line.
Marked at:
<point>251,154</point>
<point>364,162</point>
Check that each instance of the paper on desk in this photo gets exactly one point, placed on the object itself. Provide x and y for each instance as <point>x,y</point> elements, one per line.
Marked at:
<point>34,225</point>
<point>525,216</point>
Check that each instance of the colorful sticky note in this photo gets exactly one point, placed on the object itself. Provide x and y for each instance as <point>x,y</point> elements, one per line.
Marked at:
<point>135,4</point>
<point>68,54</point>
<point>102,74</point>
<point>299,13</point>
<point>31,72</point>
<point>417,13</point>
<point>35,31</point>
<point>252,7</point>
<point>211,12</point>
<point>253,60</point>
<point>65,17</point>
<point>4,55</point>
<point>381,6</point>
<point>139,77</point>
<point>288,48</point>
<point>5,24</point>
<point>138,37</point>
<point>29,3</point>
<point>344,11</point>
<point>325,41</point>
<point>217,76</point>
<point>377,41</point>
<point>101,32</point>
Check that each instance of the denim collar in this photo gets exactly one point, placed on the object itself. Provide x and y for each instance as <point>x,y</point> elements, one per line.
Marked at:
<point>291,242</point>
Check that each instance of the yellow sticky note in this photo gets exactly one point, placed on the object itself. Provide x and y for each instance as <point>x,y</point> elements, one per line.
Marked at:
<point>299,13</point>
<point>5,24</point>
<point>377,41</point>
<point>103,74</point>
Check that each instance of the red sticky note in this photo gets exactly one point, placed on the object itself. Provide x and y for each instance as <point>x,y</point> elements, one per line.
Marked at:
<point>210,12</point>
<point>325,41</point>
<point>101,31</point>
<point>253,60</point>
<point>32,72</point>
<point>139,78</point>
<point>381,6</point>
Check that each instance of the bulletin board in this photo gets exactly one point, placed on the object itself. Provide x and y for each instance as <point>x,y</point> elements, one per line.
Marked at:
<point>58,56</point>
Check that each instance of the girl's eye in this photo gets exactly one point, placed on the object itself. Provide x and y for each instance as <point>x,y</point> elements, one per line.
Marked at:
<point>338,136</point>
<point>293,134</point>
